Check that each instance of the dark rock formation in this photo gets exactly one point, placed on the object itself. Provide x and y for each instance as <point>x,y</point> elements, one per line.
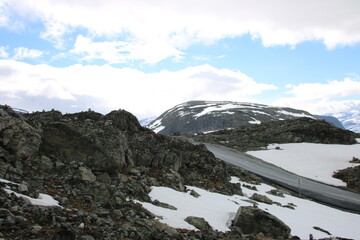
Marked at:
<point>287,131</point>
<point>254,220</point>
<point>351,176</point>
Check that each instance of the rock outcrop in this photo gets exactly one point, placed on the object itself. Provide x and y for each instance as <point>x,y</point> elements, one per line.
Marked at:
<point>287,131</point>
<point>351,176</point>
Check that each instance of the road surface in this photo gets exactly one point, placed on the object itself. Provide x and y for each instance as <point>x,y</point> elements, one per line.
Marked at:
<point>320,192</point>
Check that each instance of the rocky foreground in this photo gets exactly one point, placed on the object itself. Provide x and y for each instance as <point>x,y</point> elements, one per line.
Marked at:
<point>95,166</point>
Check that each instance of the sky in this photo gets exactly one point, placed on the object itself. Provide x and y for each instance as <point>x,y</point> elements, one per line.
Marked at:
<point>148,56</point>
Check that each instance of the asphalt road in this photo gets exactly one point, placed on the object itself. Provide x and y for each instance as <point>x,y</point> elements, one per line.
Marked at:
<point>317,191</point>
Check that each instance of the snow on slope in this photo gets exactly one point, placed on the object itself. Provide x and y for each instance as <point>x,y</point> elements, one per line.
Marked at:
<point>310,160</point>
<point>42,200</point>
<point>204,116</point>
<point>219,210</point>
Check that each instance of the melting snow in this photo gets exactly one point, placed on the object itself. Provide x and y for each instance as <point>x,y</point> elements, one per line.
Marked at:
<point>42,200</point>
<point>219,210</point>
<point>295,114</point>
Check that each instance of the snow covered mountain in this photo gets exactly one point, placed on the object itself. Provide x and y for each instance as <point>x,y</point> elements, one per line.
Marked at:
<point>350,120</point>
<point>146,121</point>
<point>206,116</point>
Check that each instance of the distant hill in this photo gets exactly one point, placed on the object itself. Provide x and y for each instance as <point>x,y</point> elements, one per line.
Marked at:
<point>207,116</point>
<point>146,121</point>
<point>296,130</point>
<point>350,120</point>
<point>332,120</point>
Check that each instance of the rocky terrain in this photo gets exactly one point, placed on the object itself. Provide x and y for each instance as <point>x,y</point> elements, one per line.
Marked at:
<point>296,130</point>
<point>351,176</point>
<point>96,166</point>
<point>207,116</point>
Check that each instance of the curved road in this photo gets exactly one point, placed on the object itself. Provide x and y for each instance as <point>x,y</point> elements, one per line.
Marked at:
<point>315,190</point>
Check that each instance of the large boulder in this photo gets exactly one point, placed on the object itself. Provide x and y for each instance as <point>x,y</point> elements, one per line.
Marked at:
<point>16,135</point>
<point>100,147</point>
<point>199,223</point>
<point>123,120</point>
<point>252,220</point>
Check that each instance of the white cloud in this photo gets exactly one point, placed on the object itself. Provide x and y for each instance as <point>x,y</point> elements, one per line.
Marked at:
<point>144,94</point>
<point>3,52</point>
<point>22,52</point>
<point>331,89</point>
<point>149,26</point>
<point>321,98</point>
<point>121,51</point>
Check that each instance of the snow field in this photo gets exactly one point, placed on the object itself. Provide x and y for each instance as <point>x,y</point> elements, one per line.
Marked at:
<point>310,160</point>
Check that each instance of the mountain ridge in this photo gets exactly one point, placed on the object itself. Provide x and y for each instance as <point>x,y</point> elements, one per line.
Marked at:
<point>206,116</point>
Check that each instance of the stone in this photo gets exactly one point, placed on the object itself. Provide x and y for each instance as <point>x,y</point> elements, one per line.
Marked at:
<point>261,198</point>
<point>252,220</point>
<point>36,228</point>
<point>194,193</point>
<point>86,237</point>
<point>199,223</point>
<point>164,205</point>
<point>134,171</point>
<point>87,175</point>
<point>20,137</point>
<point>64,235</point>
<point>23,188</point>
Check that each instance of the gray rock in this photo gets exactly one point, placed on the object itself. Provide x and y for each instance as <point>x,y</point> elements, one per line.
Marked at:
<point>252,220</point>
<point>261,198</point>
<point>86,237</point>
<point>87,175</point>
<point>199,223</point>
<point>194,193</point>
<point>23,188</point>
<point>19,137</point>
<point>36,228</point>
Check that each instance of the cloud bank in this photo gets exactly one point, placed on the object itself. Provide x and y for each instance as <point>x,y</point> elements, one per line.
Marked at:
<point>323,98</point>
<point>164,29</point>
<point>107,88</point>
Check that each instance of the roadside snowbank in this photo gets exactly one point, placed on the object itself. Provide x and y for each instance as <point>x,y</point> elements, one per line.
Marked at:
<point>310,160</point>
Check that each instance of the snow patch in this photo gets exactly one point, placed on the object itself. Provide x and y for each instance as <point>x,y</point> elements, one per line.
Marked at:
<point>294,114</point>
<point>264,113</point>
<point>156,126</point>
<point>42,200</point>
<point>254,121</point>
<point>227,112</point>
